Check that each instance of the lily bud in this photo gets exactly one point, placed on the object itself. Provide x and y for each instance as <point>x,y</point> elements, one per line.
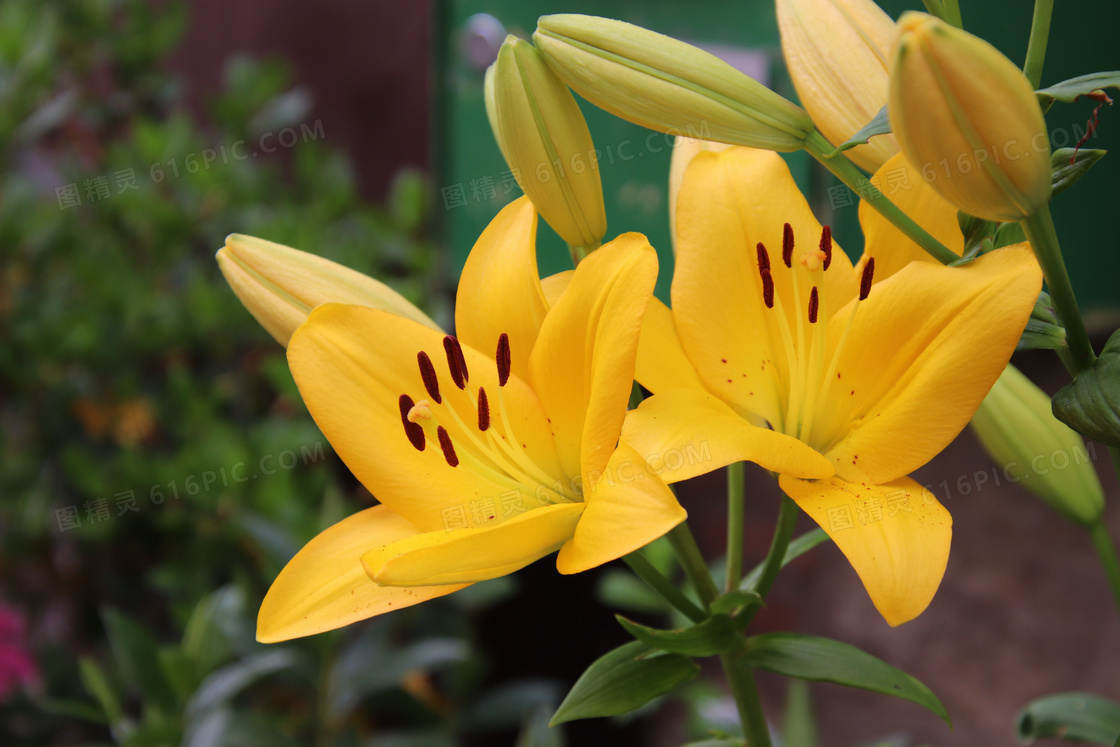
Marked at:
<point>838,56</point>
<point>968,119</point>
<point>1018,429</point>
<point>545,141</point>
<point>666,85</point>
<point>280,285</point>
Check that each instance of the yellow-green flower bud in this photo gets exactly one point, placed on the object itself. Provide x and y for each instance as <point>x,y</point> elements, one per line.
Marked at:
<point>967,118</point>
<point>838,56</point>
<point>667,85</point>
<point>545,141</point>
<point>280,285</point>
<point>1016,426</point>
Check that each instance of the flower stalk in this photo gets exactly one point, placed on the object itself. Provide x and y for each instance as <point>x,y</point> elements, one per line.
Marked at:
<point>734,524</point>
<point>1036,46</point>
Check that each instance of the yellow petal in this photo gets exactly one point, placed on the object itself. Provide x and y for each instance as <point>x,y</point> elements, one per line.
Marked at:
<point>500,288</point>
<point>280,285</point>
<point>555,285</point>
<point>473,554</point>
<point>627,508</point>
<point>662,363</point>
<point>683,433</point>
<point>728,203</point>
<point>352,364</point>
<point>904,186</point>
<point>924,349</point>
<point>684,150</point>
<point>325,587</point>
<point>582,367</point>
<point>838,55</point>
<point>895,535</point>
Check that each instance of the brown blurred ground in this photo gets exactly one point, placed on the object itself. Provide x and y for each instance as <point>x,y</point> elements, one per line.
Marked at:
<point>1024,609</point>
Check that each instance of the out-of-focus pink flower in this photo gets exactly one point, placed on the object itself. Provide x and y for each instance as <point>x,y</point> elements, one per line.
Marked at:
<point>17,666</point>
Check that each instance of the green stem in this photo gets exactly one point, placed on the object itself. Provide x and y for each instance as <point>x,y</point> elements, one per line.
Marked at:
<point>846,171</point>
<point>735,487</point>
<point>688,554</point>
<point>741,681</point>
<point>1106,551</point>
<point>787,518</point>
<point>1040,232</point>
<point>645,571</point>
<point>1036,47</point>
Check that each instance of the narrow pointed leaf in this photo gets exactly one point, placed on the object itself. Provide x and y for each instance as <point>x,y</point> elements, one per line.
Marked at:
<point>225,683</point>
<point>824,660</point>
<point>138,657</point>
<point>716,635</point>
<point>1072,717</point>
<point>735,599</point>
<point>97,685</point>
<point>880,124</point>
<point>1070,90</point>
<point>796,549</point>
<point>1070,164</point>
<point>1090,404</point>
<point>622,680</point>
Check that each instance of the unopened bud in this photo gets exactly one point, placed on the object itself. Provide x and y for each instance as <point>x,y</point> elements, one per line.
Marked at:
<point>667,85</point>
<point>545,141</point>
<point>1016,427</point>
<point>280,285</point>
<point>968,119</point>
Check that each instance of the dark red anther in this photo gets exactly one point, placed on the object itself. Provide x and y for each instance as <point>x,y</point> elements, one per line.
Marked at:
<point>413,430</point>
<point>428,374</point>
<point>768,289</point>
<point>865,281</point>
<point>814,305</point>
<point>483,410</point>
<point>503,359</point>
<point>826,245</point>
<point>456,363</point>
<point>787,245</point>
<point>448,448</point>
<point>763,258</point>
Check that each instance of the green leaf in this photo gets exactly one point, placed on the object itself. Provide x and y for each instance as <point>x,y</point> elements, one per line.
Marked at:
<point>227,682</point>
<point>796,549</point>
<point>880,124</point>
<point>1072,717</point>
<point>1090,404</point>
<point>619,589</point>
<point>1070,164</point>
<point>718,743</point>
<point>975,231</point>
<point>825,660</point>
<point>74,709</point>
<point>622,680</point>
<point>97,685</point>
<point>716,635</point>
<point>1043,330</point>
<point>1072,89</point>
<point>535,731</point>
<point>204,641</point>
<point>138,657</point>
<point>799,728</point>
<point>732,600</point>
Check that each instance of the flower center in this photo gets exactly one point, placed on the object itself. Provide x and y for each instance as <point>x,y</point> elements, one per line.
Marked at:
<point>487,445</point>
<point>810,370</point>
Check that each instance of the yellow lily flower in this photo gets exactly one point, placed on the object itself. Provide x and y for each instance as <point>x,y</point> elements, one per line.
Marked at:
<point>873,373</point>
<point>487,451</point>
<point>838,54</point>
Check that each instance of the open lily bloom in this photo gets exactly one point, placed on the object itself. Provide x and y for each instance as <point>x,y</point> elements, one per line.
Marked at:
<point>874,372</point>
<point>487,451</point>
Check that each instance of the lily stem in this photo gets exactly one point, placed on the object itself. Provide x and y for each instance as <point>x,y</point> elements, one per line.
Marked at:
<point>1039,229</point>
<point>819,148</point>
<point>1036,46</point>
<point>735,485</point>
<point>1106,551</point>
<point>787,518</point>
<point>645,571</point>
<point>739,678</point>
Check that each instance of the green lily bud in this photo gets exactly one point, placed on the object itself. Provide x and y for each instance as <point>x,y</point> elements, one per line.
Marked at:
<point>667,85</point>
<point>545,141</point>
<point>280,285</point>
<point>1016,426</point>
<point>968,119</point>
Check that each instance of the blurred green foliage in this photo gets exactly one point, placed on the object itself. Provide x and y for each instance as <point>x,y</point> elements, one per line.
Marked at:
<point>155,448</point>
